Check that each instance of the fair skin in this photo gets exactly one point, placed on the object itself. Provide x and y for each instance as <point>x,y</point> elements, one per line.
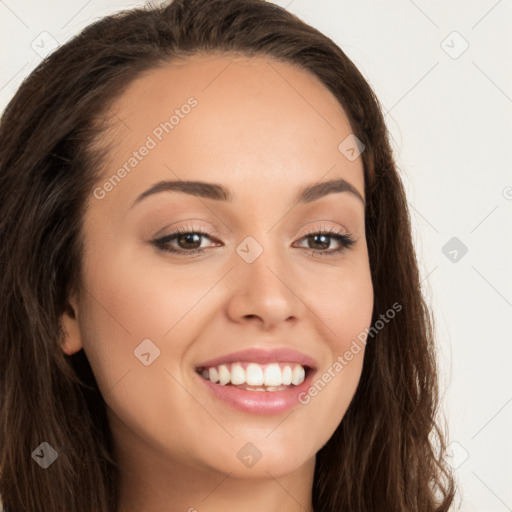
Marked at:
<point>264,130</point>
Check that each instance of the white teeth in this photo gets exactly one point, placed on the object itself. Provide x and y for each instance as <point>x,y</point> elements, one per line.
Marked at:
<point>214,375</point>
<point>224,375</point>
<point>254,375</point>
<point>298,375</point>
<point>237,374</point>
<point>287,375</point>
<point>274,376</point>
<point>269,388</point>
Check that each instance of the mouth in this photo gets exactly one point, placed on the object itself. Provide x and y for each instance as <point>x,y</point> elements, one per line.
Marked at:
<point>257,381</point>
<point>251,376</point>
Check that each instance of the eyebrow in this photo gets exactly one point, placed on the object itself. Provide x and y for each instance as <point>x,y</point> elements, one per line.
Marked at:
<point>220,193</point>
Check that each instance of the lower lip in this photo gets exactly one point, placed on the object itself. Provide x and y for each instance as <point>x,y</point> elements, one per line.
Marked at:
<point>259,402</point>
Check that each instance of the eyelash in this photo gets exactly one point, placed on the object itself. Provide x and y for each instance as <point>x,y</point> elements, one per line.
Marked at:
<point>346,241</point>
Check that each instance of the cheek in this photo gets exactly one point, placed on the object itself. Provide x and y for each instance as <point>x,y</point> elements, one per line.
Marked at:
<point>130,311</point>
<point>126,305</point>
<point>344,303</point>
<point>346,308</point>
<point>134,300</point>
<point>342,298</point>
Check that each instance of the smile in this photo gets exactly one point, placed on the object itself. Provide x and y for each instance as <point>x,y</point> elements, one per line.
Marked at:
<point>256,377</point>
<point>266,383</point>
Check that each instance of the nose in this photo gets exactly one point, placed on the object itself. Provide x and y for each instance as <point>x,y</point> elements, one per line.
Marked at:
<point>264,291</point>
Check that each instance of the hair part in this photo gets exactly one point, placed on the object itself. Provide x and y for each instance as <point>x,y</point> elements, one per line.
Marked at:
<point>387,453</point>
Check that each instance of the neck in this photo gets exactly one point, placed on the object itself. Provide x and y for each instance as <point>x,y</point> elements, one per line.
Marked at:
<point>193,491</point>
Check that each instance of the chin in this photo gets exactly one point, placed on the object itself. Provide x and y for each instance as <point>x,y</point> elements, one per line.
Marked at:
<point>261,457</point>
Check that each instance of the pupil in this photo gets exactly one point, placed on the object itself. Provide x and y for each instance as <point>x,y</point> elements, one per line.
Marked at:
<point>189,238</point>
<point>324,244</point>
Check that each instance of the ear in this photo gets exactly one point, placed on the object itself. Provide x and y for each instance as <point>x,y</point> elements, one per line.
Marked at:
<point>69,322</point>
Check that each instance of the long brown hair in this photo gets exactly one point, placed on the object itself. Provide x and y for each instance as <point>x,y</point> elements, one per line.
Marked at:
<point>387,453</point>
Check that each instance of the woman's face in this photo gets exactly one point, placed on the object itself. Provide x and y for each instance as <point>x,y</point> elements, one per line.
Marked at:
<point>265,294</point>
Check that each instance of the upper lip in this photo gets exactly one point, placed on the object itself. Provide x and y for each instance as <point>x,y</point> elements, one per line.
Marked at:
<point>262,356</point>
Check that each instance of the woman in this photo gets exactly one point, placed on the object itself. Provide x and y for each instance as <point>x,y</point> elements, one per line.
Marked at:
<point>283,361</point>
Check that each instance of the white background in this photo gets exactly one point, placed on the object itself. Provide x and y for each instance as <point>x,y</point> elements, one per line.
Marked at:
<point>451,125</point>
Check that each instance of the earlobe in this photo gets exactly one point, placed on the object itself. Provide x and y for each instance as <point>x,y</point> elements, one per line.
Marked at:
<point>72,341</point>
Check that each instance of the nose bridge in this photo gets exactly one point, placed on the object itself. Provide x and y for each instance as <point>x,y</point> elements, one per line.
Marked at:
<point>262,247</point>
<point>265,281</point>
<point>262,258</point>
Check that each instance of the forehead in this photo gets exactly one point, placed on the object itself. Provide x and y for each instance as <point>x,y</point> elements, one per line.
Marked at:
<point>253,120</point>
<point>216,78</point>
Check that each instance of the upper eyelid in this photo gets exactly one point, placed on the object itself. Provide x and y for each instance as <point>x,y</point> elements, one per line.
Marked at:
<point>205,233</point>
<point>329,230</point>
<point>313,227</point>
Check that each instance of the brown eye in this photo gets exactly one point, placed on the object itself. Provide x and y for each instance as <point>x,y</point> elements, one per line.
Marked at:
<point>319,242</point>
<point>184,241</point>
<point>188,241</point>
